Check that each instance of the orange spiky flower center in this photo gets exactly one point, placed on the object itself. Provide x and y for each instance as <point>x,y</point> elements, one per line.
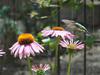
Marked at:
<point>26,38</point>
<point>58,28</point>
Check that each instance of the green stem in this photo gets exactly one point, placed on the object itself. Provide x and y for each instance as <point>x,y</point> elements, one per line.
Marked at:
<point>29,65</point>
<point>52,68</point>
<point>56,56</point>
<point>40,72</point>
<point>69,65</point>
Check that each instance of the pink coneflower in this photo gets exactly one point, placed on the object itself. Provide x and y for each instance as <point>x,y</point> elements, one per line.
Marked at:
<point>26,46</point>
<point>1,53</point>
<point>43,67</point>
<point>72,44</point>
<point>57,31</point>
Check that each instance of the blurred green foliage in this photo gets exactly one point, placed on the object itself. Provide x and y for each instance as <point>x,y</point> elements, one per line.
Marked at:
<point>8,23</point>
<point>4,11</point>
<point>90,40</point>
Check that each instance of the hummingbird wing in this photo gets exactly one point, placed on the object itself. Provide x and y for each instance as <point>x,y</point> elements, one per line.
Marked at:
<point>67,21</point>
<point>81,27</point>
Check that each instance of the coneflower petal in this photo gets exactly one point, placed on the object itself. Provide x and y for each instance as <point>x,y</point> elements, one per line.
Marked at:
<point>34,48</point>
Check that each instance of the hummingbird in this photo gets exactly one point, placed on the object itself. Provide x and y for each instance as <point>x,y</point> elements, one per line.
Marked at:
<point>74,25</point>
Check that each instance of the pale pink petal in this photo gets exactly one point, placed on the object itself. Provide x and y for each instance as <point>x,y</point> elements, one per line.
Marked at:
<point>16,52</point>
<point>21,51</point>
<point>14,46</point>
<point>53,34</point>
<point>69,35</point>
<point>46,67</point>
<point>1,52</point>
<point>31,51</point>
<point>27,51</point>
<point>81,46</point>
<point>57,33</point>
<point>66,41</point>
<point>34,48</point>
<point>47,32</point>
<point>79,43</point>
<point>34,68</point>
<point>63,44</point>
<point>41,65</point>
<point>38,46</point>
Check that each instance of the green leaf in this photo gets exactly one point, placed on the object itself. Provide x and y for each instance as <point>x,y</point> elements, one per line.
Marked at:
<point>90,40</point>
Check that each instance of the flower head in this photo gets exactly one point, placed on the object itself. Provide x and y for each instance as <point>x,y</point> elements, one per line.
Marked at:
<point>72,44</point>
<point>57,31</point>
<point>26,46</point>
<point>41,67</point>
<point>1,53</point>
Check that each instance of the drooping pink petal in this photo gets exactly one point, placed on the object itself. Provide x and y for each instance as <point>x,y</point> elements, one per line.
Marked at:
<point>81,46</point>
<point>46,33</point>
<point>34,48</point>
<point>14,49</point>
<point>31,51</point>
<point>20,52</point>
<point>63,44</point>
<point>16,52</point>
<point>2,53</point>
<point>27,51</point>
<point>39,47</point>
<point>46,67</point>
<point>13,46</point>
